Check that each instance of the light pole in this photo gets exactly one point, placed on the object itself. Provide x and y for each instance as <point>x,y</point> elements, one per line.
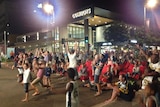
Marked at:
<point>148,4</point>
<point>5,42</point>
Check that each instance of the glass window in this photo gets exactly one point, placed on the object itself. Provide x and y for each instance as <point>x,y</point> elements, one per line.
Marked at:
<point>20,39</point>
<point>53,32</point>
<point>42,35</point>
<point>81,32</point>
<point>75,31</point>
<point>49,34</point>
<point>32,37</point>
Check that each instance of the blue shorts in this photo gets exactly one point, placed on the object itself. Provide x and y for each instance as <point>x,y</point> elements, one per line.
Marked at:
<point>96,78</point>
<point>26,87</point>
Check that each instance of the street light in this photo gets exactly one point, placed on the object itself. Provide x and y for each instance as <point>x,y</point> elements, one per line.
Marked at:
<point>151,3</point>
<point>48,9</point>
<point>148,4</point>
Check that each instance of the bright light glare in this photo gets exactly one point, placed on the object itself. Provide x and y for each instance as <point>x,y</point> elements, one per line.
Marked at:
<point>39,5</point>
<point>48,8</point>
<point>133,41</point>
<point>151,3</point>
<point>104,44</point>
<point>34,11</point>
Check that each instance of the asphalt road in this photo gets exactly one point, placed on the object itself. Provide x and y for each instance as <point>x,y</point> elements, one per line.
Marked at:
<point>11,94</point>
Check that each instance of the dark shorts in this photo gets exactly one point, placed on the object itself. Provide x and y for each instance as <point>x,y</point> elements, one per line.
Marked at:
<point>96,78</point>
<point>126,97</point>
<point>76,74</point>
<point>15,64</point>
<point>26,87</point>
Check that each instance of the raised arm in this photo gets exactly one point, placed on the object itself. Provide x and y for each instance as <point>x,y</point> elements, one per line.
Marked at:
<point>142,52</point>
<point>76,47</point>
<point>66,47</point>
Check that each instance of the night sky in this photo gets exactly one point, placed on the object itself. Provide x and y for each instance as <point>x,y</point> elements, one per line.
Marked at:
<point>22,19</point>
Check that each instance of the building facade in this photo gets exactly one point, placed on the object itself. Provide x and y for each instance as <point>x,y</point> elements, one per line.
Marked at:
<point>86,28</point>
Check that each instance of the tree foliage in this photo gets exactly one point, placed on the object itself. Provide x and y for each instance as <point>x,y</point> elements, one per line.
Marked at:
<point>121,32</point>
<point>149,37</point>
<point>117,32</point>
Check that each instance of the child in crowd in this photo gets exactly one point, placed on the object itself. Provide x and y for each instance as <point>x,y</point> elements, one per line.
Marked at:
<point>62,68</point>
<point>26,80</point>
<point>35,66</point>
<point>48,71</point>
<point>96,69</point>
<point>39,78</point>
<point>54,67</point>
<point>88,65</point>
<point>149,95</point>
<point>121,89</point>
<point>72,93</point>
<point>150,91</point>
<point>20,72</point>
<point>106,77</point>
<point>136,70</point>
<point>82,72</point>
<point>16,59</point>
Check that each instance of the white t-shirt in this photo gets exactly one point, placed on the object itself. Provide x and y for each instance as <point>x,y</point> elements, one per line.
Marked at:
<point>155,66</point>
<point>72,60</point>
<point>26,76</point>
<point>74,96</point>
<point>20,70</point>
<point>98,70</point>
<point>146,80</point>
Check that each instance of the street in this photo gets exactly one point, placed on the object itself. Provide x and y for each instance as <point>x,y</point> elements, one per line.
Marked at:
<point>11,94</point>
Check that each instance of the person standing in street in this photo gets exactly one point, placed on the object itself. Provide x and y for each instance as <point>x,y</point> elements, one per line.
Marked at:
<point>72,92</point>
<point>39,78</point>
<point>26,81</point>
<point>72,58</point>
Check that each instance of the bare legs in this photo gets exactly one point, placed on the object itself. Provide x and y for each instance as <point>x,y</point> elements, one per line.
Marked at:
<point>34,82</point>
<point>113,96</point>
<point>99,90</point>
<point>26,87</point>
<point>26,97</point>
<point>35,89</point>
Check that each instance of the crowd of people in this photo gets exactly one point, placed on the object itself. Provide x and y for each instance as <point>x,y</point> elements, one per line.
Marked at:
<point>117,70</point>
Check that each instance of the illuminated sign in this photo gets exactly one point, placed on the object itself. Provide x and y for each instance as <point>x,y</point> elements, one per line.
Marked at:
<point>82,13</point>
<point>133,41</point>
<point>105,44</point>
